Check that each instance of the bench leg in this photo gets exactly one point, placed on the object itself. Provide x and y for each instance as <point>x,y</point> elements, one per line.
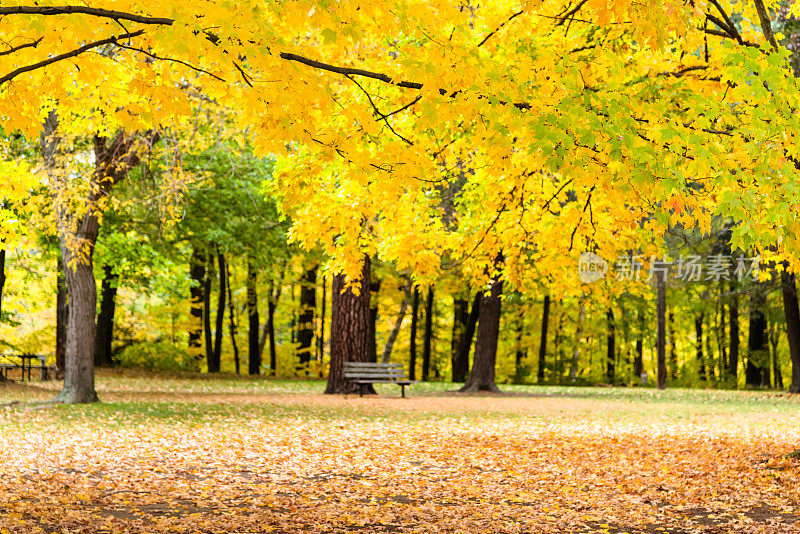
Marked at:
<point>403,390</point>
<point>361,390</point>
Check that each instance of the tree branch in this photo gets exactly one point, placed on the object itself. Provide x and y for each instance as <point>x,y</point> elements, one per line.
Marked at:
<point>33,44</point>
<point>161,58</point>
<point>84,10</point>
<point>766,23</point>
<point>78,51</point>
<point>512,17</point>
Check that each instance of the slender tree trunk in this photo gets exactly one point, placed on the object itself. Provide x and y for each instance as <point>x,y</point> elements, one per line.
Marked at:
<point>105,319</point>
<point>62,316</point>
<point>482,376</point>
<point>275,292</point>
<point>412,345</point>
<point>207,332</point>
<point>723,353</point>
<point>232,322</point>
<point>733,314</point>
<point>774,340</point>
<point>610,346</point>
<point>791,312</point>
<point>349,329</point>
<point>460,314</point>
<point>387,351</point>
<point>197,273</point>
<point>308,305</point>
<point>426,344</point>
<point>270,327</point>
<point>461,367</point>
<point>673,347</point>
<point>521,353</point>
<point>374,290</point>
<point>661,335</point>
<point>322,319</point>
<point>253,321</point>
<point>214,364</point>
<point>698,334</point>
<point>757,368</point>
<point>576,351</point>
<point>543,341</point>
<point>2,279</point>
<point>638,360</point>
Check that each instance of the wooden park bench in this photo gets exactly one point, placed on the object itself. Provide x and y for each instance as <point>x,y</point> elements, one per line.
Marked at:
<point>27,365</point>
<point>364,374</point>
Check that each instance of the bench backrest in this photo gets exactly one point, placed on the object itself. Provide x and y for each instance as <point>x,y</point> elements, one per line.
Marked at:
<point>379,371</point>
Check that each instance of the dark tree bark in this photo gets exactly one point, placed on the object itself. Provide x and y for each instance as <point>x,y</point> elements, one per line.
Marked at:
<point>387,351</point>
<point>273,353</point>
<point>232,328</point>
<point>322,319</point>
<point>482,376</point>
<point>308,306</point>
<point>2,278</point>
<point>723,353</point>
<point>733,315</point>
<point>412,344</point>
<point>349,329</point>
<point>460,314</point>
<point>698,334</point>
<point>461,365</point>
<point>207,332</point>
<point>611,340</point>
<point>62,316</point>
<point>105,319</point>
<point>521,353</point>
<point>253,321</point>
<point>638,360</point>
<point>214,364</point>
<point>673,347</point>
<point>543,341</point>
<point>661,335</point>
<point>791,312</point>
<point>374,289</point>
<point>428,336</point>
<point>197,273</point>
<point>757,368</point>
<point>576,350</point>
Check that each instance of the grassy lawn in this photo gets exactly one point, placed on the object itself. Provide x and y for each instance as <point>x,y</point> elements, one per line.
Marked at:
<point>169,453</point>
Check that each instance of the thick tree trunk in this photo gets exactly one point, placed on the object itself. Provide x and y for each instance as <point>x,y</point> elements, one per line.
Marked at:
<point>698,335</point>
<point>638,360</point>
<point>521,353</point>
<point>791,311</point>
<point>105,319</point>
<point>412,344</point>
<point>460,314</point>
<point>543,341</point>
<point>733,314</point>
<point>661,335</point>
<point>461,366</point>
<point>428,336</point>
<point>197,273</point>
<point>757,368</point>
<point>482,376</point>
<point>62,316</point>
<point>349,329</point>
<point>611,340</point>
<point>79,360</point>
<point>308,306</point>
<point>387,350</point>
<point>253,321</point>
<point>232,328</point>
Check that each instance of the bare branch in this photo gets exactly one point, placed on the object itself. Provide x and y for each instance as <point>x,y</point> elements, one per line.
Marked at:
<point>32,44</point>
<point>512,17</point>
<point>84,10</point>
<point>78,51</point>
<point>173,60</point>
<point>766,23</point>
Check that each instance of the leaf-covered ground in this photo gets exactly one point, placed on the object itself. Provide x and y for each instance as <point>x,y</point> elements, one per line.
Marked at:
<point>190,454</point>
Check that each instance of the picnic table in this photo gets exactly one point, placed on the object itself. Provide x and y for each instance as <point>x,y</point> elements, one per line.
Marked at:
<point>25,365</point>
